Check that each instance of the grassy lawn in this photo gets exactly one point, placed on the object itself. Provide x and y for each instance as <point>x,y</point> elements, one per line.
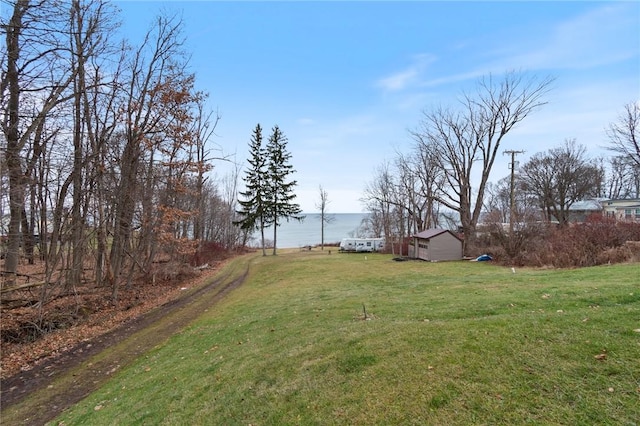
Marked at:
<point>443,343</point>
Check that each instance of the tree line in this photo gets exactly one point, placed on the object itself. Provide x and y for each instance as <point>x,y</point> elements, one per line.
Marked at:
<point>107,148</point>
<point>444,180</point>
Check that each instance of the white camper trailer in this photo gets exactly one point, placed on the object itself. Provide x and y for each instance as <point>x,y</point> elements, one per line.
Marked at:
<point>362,244</point>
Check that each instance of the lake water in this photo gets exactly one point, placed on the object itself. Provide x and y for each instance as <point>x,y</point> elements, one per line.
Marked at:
<point>298,234</point>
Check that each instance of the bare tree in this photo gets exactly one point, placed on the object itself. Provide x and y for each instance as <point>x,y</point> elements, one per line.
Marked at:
<point>470,137</point>
<point>156,60</point>
<point>420,180</point>
<point>624,137</point>
<point>231,235</point>
<point>393,206</point>
<point>623,178</point>
<point>400,186</point>
<point>379,201</point>
<point>432,180</point>
<point>325,219</point>
<point>35,79</point>
<point>101,100</point>
<point>89,22</point>
<point>498,200</point>
<point>523,216</point>
<point>559,178</point>
<point>204,124</point>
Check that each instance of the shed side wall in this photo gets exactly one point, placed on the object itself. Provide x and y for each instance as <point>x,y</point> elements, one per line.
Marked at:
<point>445,247</point>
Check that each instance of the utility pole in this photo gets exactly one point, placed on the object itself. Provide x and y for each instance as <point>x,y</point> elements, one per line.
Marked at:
<point>512,200</point>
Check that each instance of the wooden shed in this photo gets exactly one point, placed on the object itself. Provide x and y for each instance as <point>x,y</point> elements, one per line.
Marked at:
<point>436,244</point>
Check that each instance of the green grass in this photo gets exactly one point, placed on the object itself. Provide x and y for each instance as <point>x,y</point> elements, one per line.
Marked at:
<point>446,343</point>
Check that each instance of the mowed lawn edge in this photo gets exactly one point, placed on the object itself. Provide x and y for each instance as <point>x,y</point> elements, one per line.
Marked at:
<point>318,338</point>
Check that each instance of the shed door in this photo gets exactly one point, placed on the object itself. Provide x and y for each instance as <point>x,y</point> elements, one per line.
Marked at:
<point>423,249</point>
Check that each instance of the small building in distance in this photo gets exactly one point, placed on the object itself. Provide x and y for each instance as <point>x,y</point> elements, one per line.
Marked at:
<point>436,244</point>
<point>582,209</point>
<point>622,209</point>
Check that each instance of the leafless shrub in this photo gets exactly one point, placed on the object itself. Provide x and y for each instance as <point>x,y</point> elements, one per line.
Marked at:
<point>595,242</point>
<point>615,255</point>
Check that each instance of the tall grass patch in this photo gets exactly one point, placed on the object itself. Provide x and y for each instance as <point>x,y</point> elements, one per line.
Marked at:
<point>336,339</point>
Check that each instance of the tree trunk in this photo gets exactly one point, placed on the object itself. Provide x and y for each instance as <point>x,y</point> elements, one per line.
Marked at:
<point>14,163</point>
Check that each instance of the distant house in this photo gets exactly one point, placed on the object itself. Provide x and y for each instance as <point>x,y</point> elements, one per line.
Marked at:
<point>436,244</point>
<point>581,210</point>
<point>623,209</point>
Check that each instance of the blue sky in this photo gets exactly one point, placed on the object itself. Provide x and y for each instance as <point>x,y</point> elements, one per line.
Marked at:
<point>346,81</point>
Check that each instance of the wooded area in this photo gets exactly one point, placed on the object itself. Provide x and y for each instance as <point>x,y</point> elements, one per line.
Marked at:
<point>106,152</point>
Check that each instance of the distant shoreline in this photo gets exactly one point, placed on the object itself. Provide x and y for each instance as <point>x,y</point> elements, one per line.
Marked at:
<point>294,234</point>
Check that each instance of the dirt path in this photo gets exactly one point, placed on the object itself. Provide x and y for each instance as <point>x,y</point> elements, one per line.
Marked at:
<point>37,396</point>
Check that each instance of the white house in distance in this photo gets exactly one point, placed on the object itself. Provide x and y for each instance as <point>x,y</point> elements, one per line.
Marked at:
<point>624,209</point>
<point>436,244</point>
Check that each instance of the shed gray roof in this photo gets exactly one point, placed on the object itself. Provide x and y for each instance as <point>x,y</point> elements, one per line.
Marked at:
<point>430,233</point>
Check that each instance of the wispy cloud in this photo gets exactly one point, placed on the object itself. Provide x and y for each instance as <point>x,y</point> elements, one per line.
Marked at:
<point>409,76</point>
<point>600,36</point>
<point>305,121</point>
<point>575,112</point>
<point>454,78</point>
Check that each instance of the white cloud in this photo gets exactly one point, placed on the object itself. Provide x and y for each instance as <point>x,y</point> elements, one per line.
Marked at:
<point>601,36</point>
<point>305,121</point>
<point>598,37</point>
<point>409,77</point>
<point>576,112</point>
<point>454,78</point>
<point>399,80</point>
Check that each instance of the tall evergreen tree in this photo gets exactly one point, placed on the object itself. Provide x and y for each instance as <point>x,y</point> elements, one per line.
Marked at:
<point>255,204</point>
<point>280,191</point>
